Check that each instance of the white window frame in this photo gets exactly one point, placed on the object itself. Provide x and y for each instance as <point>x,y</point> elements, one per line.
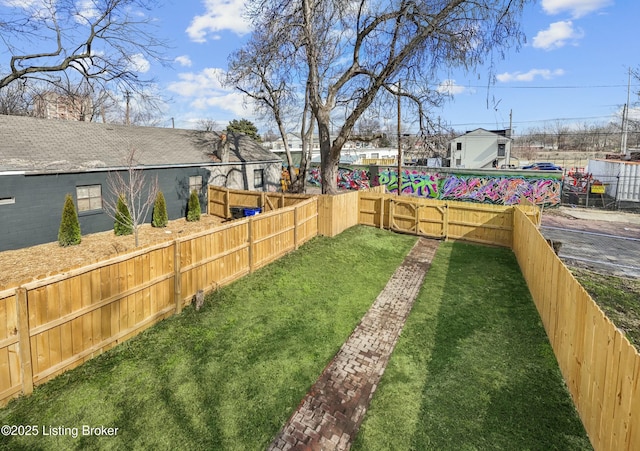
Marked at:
<point>195,182</point>
<point>89,198</point>
<point>260,173</point>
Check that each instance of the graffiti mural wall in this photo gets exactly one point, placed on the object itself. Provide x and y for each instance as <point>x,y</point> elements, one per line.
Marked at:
<point>413,182</point>
<point>498,189</point>
<point>347,178</point>
<point>494,188</point>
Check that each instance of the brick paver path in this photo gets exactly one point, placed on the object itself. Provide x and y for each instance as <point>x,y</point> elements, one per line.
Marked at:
<point>331,413</point>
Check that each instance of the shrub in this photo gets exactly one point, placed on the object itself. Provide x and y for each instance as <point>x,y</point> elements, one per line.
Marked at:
<point>123,225</point>
<point>193,207</point>
<point>160,216</point>
<point>69,232</point>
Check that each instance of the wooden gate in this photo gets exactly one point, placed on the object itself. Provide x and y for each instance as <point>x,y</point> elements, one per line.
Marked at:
<point>416,218</point>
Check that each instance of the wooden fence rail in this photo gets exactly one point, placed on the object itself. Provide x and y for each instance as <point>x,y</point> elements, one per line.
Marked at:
<point>599,365</point>
<point>54,324</point>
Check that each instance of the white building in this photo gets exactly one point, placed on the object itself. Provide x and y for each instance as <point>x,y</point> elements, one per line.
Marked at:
<point>481,149</point>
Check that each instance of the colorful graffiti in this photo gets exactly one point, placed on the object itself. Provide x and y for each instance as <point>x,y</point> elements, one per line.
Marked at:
<point>498,189</point>
<point>414,182</point>
<point>503,190</point>
<point>347,178</point>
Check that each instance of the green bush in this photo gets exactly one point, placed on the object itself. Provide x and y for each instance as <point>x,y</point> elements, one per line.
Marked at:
<point>193,207</point>
<point>123,224</point>
<point>160,216</point>
<point>69,232</point>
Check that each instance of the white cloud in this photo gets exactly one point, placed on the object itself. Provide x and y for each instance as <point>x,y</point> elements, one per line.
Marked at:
<point>449,87</point>
<point>184,60</point>
<point>87,10</point>
<point>139,63</point>
<point>219,15</point>
<point>203,90</point>
<point>557,35</point>
<point>577,8</point>
<point>25,4</point>
<point>546,74</point>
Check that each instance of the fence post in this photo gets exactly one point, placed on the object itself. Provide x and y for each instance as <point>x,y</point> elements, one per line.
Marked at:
<point>24,343</point>
<point>445,221</point>
<point>177,280</point>
<point>295,228</point>
<point>227,204</point>
<point>382,211</point>
<point>250,233</point>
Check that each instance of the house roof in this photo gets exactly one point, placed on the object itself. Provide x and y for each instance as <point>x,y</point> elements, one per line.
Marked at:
<point>49,145</point>
<point>506,133</point>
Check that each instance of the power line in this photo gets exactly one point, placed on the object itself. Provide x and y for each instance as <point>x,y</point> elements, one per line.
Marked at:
<point>557,119</point>
<point>495,86</point>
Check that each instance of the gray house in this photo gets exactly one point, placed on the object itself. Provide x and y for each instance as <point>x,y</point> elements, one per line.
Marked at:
<point>42,160</point>
<point>480,149</point>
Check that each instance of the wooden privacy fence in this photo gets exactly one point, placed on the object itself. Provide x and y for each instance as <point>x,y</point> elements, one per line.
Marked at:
<point>54,324</point>
<point>479,223</point>
<point>599,365</point>
<point>221,200</point>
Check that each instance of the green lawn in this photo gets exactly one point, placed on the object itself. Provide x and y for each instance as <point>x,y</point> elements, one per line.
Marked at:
<point>229,376</point>
<point>473,369</point>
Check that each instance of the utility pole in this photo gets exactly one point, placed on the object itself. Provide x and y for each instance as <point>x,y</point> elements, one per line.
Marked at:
<point>127,96</point>
<point>625,118</point>
<point>399,147</point>
<point>508,162</point>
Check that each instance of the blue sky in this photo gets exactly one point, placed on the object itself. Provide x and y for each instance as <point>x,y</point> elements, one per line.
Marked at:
<point>573,67</point>
<point>572,70</point>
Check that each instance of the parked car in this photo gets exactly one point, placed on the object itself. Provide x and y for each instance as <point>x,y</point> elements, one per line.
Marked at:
<point>545,166</point>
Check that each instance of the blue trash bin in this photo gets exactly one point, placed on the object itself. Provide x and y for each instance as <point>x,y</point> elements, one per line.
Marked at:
<point>252,211</point>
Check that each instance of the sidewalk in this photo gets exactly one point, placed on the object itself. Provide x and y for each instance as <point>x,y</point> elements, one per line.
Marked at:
<point>329,416</point>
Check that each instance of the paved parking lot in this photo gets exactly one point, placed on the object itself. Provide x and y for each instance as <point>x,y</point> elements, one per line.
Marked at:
<point>607,242</point>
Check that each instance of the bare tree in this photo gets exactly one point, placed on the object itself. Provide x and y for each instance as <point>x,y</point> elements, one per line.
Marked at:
<point>348,53</point>
<point>15,100</point>
<point>138,194</point>
<point>262,72</point>
<point>106,41</point>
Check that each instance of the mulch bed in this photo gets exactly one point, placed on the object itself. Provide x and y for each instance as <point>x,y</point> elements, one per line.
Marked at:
<point>37,262</point>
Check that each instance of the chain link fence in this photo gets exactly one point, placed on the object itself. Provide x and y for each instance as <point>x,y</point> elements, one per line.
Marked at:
<point>584,189</point>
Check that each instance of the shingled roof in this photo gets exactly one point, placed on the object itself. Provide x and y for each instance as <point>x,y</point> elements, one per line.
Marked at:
<point>54,146</point>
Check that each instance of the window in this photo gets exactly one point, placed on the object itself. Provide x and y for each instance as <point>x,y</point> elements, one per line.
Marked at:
<point>195,183</point>
<point>458,146</point>
<point>502,150</point>
<point>7,200</point>
<point>89,197</point>
<point>258,178</point>
<point>458,162</point>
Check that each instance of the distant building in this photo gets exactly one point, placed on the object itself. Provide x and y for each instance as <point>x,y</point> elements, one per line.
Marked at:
<point>51,105</point>
<point>480,149</point>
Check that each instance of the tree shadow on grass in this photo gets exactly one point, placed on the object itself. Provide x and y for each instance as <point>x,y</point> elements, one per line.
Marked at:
<point>493,380</point>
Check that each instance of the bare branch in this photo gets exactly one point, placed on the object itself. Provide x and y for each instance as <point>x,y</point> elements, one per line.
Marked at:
<point>103,41</point>
<point>138,193</point>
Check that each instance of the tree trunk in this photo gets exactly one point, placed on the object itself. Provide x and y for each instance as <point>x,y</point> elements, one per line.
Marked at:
<point>329,159</point>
